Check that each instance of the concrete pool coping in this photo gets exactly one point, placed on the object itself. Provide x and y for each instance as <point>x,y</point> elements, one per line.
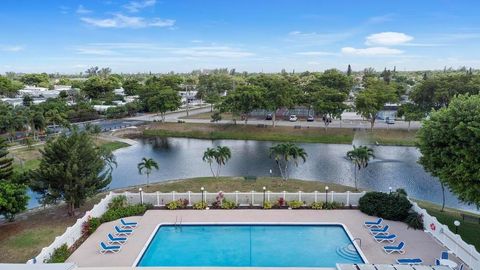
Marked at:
<point>418,243</point>
<point>349,235</point>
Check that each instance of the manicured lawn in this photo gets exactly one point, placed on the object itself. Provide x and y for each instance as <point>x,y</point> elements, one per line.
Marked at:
<point>112,146</point>
<point>468,230</point>
<point>279,133</point>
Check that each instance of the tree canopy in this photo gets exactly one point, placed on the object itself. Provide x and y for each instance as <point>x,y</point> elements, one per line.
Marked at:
<point>72,169</point>
<point>450,145</point>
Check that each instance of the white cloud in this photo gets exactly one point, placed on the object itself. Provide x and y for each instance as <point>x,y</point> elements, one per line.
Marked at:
<point>121,21</point>
<point>136,6</point>
<point>11,48</point>
<point>380,19</point>
<point>212,51</point>
<point>95,51</point>
<point>372,51</point>
<point>82,10</point>
<point>388,39</point>
<point>316,53</point>
<point>314,38</point>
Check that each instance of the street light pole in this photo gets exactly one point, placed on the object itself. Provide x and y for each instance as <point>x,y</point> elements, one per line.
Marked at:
<point>457,224</point>
<point>203,190</point>
<point>390,189</point>
<point>264,189</point>
<point>326,194</point>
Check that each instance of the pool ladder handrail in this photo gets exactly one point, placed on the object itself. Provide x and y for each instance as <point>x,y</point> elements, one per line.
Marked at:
<point>359,241</point>
<point>178,223</point>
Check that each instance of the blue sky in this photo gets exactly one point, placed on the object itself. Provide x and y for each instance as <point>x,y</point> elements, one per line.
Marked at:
<point>253,35</point>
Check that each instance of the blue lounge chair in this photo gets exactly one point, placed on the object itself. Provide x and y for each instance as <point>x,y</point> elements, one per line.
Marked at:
<point>444,255</point>
<point>385,238</point>
<point>122,232</point>
<point>128,225</point>
<point>374,224</point>
<point>410,261</point>
<point>461,267</point>
<point>104,249</point>
<point>116,240</point>
<point>392,249</point>
<point>378,231</point>
<point>437,262</point>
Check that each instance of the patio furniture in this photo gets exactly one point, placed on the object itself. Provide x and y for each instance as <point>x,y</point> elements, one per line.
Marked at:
<point>392,249</point>
<point>116,240</point>
<point>374,224</point>
<point>409,261</point>
<point>448,263</point>
<point>128,225</point>
<point>122,232</point>
<point>104,248</point>
<point>385,238</point>
<point>461,267</point>
<point>379,231</point>
<point>437,261</point>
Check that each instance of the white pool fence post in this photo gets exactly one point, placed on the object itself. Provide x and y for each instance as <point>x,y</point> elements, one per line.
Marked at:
<point>316,194</point>
<point>236,197</point>
<point>125,194</point>
<point>158,198</point>
<point>284,195</point>
<point>141,197</point>
<point>173,195</point>
<point>299,195</point>
<point>268,195</point>
<point>189,198</point>
<point>348,198</point>
<point>253,197</point>
<point>332,195</point>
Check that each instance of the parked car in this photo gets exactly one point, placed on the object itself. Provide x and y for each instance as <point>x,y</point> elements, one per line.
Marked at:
<point>310,118</point>
<point>293,118</point>
<point>269,117</point>
<point>389,121</point>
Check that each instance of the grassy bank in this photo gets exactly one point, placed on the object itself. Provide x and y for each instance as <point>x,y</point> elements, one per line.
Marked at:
<point>231,184</point>
<point>279,133</point>
<point>26,158</point>
<point>468,230</point>
<point>24,238</point>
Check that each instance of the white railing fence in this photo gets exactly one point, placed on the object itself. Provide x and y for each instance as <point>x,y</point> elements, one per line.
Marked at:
<point>465,252</point>
<point>74,232</point>
<point>252,198</point>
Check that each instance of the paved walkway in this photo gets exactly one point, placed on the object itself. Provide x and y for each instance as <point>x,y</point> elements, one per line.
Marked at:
<point>418,243</point>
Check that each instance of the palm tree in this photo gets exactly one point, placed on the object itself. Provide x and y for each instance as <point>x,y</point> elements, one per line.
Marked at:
<point>360,157</point>
<point>284,153</point>
<point>209,156</point>
<point>222,156</point>
<point>147,165</point>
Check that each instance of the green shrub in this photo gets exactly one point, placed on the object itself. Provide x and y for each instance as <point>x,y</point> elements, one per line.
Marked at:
<point>332,205</point>
<point>388,206</point>
<point>317,205</point>
<point>267,205</point>
<point>199,205</point>
<point>131,210</point>
<point>295,204</point>
<point>118,202</point>
<point>226,204</point>
<point>172,205</point>
<point>59,255</point>
<point>178,204</point>
<point>91,226</point>
<point>415,221</point>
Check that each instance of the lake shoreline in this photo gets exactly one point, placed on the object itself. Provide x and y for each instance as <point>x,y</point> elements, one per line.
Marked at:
<point>390,137</point>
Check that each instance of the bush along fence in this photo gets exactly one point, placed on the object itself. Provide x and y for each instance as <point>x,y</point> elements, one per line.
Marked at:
<point>465,252</point>
<point>75,232</point>
<point>177,200</point>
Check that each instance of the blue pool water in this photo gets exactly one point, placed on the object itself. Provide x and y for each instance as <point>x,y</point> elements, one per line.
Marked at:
<point>250,245</point>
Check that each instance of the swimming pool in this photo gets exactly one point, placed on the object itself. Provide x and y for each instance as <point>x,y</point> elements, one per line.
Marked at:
<point>244,245</point>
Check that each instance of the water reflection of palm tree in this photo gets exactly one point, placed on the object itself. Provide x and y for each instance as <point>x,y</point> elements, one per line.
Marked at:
<point>360,156</point>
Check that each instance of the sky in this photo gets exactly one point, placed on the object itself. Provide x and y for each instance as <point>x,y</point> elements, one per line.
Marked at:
<point>249,35</point>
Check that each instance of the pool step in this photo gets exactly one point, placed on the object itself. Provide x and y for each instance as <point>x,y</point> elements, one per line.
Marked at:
<point>348,252</point>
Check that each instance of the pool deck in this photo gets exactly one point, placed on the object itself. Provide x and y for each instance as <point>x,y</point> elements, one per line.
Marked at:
<point>418,243</point>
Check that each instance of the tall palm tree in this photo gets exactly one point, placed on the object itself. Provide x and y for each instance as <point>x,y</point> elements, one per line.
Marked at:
<point>147,165</point>
<point>209,157</point>
<point>360,156</point>
<point>284,153</point>
<point>222,156</point>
